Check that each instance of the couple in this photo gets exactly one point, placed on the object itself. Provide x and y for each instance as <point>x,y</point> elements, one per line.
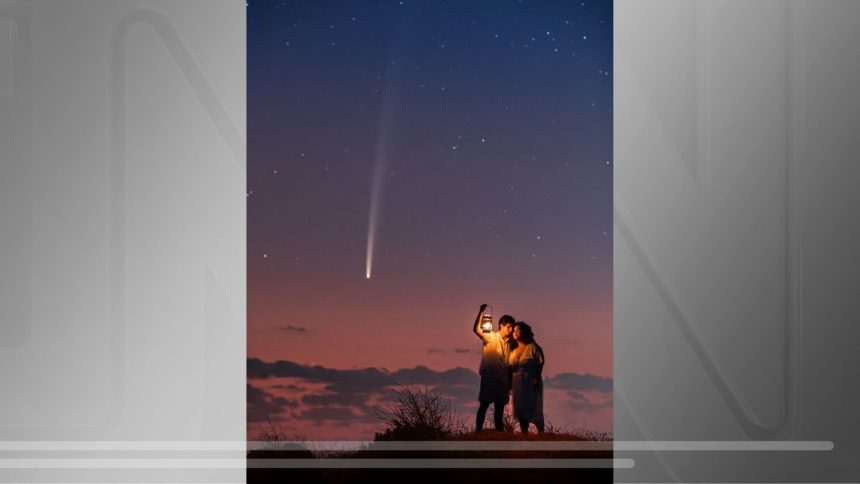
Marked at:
<point>511,363</point>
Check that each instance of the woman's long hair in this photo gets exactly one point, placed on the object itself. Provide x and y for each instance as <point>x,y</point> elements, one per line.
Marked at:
<point>526,333</point>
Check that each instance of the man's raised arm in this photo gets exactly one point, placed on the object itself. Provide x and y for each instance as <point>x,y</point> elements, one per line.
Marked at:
<point>477,327</point>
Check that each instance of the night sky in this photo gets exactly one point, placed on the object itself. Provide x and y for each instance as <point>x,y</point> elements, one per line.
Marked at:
<point>460,153</point>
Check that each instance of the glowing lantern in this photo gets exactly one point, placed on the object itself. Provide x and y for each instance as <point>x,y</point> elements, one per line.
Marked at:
<point>487,320</point>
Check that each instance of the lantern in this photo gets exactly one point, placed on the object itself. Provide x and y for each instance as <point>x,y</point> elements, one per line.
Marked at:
<point>487,320</point>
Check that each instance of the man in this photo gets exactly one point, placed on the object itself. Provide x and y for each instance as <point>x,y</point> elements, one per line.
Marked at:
<point>495,376</point>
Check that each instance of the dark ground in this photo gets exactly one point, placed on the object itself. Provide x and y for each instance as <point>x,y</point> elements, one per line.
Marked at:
<point>434,476</point>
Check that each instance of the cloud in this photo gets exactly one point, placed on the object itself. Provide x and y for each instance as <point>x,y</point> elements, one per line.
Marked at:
<point>572,382</point>
<point>336,399</point>
<point>347,393</point>
<point>348,396</point>
<point>576,396</point>
<point>263,405</point>
<point>295,329</point>
<point>339,380</point>
<point>434,351</point>
<point>258,369</point>
<point>462,350</point>
<point>290,388</point>
<point>460,395</point>
<point>581,389</point>
<point>318,414</point>
<point>589,406</point>
<point>421,375</point>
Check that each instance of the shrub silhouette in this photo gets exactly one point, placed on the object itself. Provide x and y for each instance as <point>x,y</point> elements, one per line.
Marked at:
<point>276,437</point>
<point>418,414</point>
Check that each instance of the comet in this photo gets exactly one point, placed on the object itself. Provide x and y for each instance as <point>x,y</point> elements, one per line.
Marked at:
<point>379,164</point>
<point>387,117</point>
<point>381,158</point>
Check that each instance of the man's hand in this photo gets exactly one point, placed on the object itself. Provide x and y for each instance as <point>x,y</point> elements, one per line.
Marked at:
<point>477,327</point>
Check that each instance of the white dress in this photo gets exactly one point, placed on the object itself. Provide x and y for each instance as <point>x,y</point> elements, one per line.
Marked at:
<point>527,400</point>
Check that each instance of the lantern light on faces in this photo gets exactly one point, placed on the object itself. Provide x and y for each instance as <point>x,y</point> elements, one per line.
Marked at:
<point>487,320</point>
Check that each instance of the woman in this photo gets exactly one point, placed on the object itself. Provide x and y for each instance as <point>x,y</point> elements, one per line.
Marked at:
<point>526,363</point>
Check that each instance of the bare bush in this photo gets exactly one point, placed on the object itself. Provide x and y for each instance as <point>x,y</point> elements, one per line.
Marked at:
<point>418,414</point>
<point>276,436</point>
